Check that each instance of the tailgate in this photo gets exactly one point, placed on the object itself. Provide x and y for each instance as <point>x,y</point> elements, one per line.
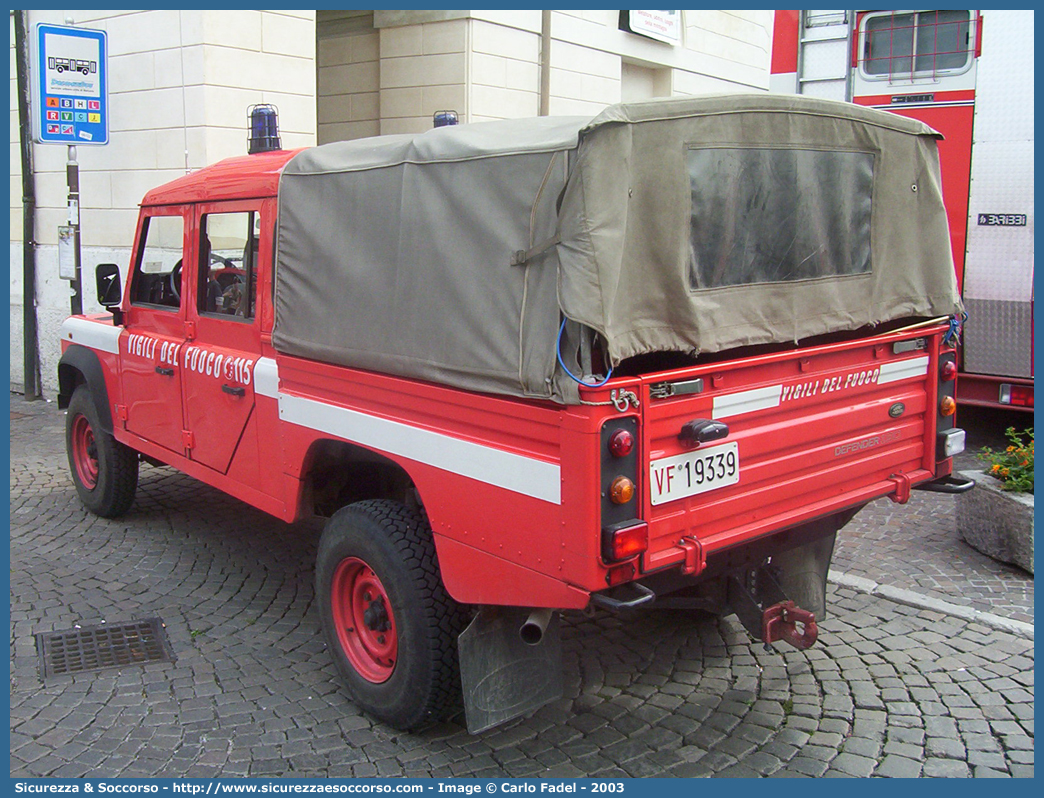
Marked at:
<point>810,432</point>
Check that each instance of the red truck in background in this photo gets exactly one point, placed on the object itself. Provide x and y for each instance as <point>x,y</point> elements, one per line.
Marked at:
<point>465,508</point>
<point>968,74</point>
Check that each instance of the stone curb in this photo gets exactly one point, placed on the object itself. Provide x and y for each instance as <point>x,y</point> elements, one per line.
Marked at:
<point>919,600</point>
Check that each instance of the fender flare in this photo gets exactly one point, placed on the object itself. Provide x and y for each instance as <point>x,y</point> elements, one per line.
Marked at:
<point>79,360</point>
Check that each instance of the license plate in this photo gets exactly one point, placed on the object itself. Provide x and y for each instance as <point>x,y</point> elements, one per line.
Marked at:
<point>694,472</point>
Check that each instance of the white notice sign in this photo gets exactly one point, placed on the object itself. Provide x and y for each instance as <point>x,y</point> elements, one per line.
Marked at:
<point>67,253</point>
<point>665,26</point>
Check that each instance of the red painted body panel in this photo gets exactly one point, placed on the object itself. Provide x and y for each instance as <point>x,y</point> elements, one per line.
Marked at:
<point>785,32</point>
<point>789,464</point>
<point>242,177</point>
<point>273,505</point>
<point>153,399</point>
<point>955,154</point>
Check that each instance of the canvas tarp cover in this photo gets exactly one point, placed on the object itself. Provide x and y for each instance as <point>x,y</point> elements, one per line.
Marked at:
<point>695,224</point>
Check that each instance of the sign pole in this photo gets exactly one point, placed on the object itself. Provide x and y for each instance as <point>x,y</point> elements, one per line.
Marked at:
<point>72,175</point>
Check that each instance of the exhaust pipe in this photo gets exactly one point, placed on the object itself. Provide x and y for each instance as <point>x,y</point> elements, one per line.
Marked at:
<point>532,631</point>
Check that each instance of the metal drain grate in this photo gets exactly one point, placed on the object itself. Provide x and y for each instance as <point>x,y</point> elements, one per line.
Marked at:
<point>92,648</point>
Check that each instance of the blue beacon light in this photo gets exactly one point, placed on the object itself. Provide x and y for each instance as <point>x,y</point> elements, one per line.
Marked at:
<point>264,129</point>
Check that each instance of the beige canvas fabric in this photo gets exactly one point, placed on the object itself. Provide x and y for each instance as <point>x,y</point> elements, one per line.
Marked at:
<point>694,224</point>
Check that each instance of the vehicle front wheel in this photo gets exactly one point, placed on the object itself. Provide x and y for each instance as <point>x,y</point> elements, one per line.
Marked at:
<point>104,471</point>
<point>389,622</point>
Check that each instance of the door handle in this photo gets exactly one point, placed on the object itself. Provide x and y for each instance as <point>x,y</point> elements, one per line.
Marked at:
<point>166,372</point>
<point>234,390</point>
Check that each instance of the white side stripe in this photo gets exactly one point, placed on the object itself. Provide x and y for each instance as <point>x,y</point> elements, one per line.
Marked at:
<point>92,334</point>
<point>734,404</point>
<point>903,370</point>
<point>487,464</point>
<point>266,378</point>
<point>513,472</point>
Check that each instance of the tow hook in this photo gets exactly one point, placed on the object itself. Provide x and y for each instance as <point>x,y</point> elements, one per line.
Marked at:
<point>780,622</point>
<point>767,612</point>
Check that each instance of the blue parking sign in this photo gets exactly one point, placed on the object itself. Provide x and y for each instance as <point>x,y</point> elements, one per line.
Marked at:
<point>70,90</point>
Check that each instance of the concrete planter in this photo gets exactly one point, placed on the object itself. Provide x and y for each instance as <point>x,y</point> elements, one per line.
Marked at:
<point>996,522</point>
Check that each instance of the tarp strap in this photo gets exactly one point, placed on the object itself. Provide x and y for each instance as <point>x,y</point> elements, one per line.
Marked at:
<point>521,256</point>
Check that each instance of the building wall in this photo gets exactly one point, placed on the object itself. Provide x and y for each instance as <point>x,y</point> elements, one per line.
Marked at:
<point>485,65</point>
<point>180,83</point>
<point>423,69</point>
<point>347,63</point>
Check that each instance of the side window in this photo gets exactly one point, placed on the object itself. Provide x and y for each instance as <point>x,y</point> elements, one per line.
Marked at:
<point>228,250</point>
<point>916,44</point>
<point>157,273</point>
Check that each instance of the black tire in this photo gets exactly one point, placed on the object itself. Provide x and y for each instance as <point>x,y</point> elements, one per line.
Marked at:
<point>377,563</point>
<point>104,471</point>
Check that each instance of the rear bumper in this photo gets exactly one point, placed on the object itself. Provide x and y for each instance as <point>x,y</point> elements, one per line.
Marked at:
<point>897,487</point>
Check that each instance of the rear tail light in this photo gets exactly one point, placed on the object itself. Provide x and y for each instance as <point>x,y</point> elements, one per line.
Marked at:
<point>621,442</point>
<point>624,536</point>
<point>624,541</point>
<point>949,440</point>
<point>1016,395</point>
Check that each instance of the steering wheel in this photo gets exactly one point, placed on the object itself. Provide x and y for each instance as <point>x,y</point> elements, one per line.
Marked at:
<point>175,281</point>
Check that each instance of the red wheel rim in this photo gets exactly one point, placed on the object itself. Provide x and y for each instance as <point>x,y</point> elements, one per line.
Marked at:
<point>85,452</point>
<point>363,618</point>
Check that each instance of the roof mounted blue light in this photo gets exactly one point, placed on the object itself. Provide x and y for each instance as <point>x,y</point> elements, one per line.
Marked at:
<point>444,118</point>
<point>264,129</point>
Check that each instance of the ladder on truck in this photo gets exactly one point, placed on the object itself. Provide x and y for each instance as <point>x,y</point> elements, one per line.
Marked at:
<point>824,45</point>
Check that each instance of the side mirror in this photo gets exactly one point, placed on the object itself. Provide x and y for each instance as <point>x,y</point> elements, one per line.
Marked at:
<point>107,277</point>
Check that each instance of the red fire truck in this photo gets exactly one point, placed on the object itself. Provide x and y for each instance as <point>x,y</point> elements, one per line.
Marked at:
<point>660,356</point>
<point>968,74</point>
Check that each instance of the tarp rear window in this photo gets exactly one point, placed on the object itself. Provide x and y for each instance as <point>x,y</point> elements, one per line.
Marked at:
<point>763,215</point>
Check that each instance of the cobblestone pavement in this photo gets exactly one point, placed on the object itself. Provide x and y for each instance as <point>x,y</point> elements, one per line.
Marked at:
<point>890,690</point>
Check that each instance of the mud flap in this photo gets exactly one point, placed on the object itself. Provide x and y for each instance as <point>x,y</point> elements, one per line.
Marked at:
<point>503,677</point>
<point>802,573</point>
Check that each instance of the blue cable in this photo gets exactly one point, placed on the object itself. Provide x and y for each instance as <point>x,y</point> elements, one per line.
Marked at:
<point>577,380</point>
<point>954,333</point>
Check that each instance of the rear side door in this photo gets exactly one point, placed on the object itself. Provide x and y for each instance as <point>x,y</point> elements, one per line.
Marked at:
<point>149,354</point>
<point>226,342</point>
